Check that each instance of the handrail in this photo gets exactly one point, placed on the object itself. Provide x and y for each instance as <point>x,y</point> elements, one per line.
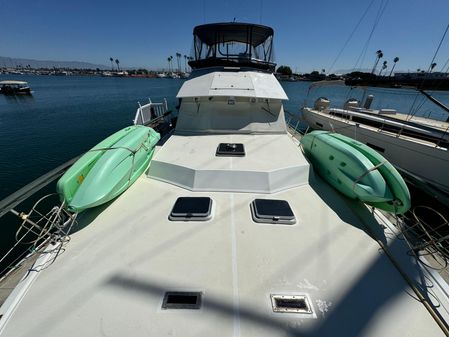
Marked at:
<point>149,112</point>
<point>290,118</point>
<point>11,201</point>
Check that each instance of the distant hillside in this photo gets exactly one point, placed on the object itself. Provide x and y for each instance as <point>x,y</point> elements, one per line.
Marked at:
<point>10,62</point>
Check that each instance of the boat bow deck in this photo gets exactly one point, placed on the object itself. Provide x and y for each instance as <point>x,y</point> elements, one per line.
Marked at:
<point>111,288</point>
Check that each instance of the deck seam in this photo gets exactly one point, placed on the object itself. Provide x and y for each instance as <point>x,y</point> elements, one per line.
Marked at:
<point>235,279</point>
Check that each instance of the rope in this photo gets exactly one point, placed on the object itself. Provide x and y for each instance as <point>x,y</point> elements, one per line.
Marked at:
<point>133,153</point>
<point>366,173</point>
<point>441,323</point>
<point>380,12</point>
<point>57,226</point>
<point>350,36</point>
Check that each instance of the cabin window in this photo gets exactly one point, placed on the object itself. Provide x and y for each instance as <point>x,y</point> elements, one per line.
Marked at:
<point>272,212</point>
<point>191,209</point>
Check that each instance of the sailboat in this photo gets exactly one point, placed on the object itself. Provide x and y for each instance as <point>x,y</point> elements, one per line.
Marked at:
<point>228,231</point>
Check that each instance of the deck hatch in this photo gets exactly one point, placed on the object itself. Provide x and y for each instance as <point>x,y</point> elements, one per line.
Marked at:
<point>191,209</point>
<point>230,150</point>
<point>182,300</point>
<point>291,304</point>
<point>272,211</point>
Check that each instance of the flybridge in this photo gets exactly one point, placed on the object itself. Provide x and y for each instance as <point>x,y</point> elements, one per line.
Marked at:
<point>242,84</point>
<point>233,44</point>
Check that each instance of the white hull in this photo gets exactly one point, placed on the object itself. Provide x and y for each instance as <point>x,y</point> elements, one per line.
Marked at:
<point>419,158</point>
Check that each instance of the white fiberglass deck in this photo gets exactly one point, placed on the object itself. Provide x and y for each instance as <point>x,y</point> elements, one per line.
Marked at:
<point>112,277</point>
<point>271,163</point>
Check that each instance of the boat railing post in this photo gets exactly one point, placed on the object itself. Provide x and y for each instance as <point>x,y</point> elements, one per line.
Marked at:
<point>400,131</point>
<point>442,137</point>
<point>296,127</point>
<point>141,113</point>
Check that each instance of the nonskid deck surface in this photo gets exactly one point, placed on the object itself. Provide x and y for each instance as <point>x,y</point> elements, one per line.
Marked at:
<point>113,275</point>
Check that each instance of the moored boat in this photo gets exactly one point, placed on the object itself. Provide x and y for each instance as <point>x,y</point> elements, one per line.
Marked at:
<point>15,88</point>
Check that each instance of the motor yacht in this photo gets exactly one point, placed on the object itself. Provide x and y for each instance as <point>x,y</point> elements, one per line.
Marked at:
<point>228,232</point>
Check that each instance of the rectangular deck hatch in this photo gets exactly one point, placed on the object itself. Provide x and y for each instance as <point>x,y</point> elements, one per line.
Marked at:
<point>182,300</point>
<point>230,150</point>
<point>191,209</point>
<point>291,303</point>
<point>272,211</point>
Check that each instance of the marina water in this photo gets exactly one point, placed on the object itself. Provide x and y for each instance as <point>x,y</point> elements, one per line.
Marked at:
<point>67,115</point>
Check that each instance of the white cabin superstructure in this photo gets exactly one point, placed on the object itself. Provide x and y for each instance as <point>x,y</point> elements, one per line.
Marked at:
<point>132,269</point>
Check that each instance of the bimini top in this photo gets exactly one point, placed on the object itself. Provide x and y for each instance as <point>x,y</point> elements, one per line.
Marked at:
<point>233,32</point>
<point>233,44</point>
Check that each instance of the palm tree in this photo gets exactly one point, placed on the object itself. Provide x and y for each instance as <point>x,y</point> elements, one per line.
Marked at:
<point>178,59</point>
<point>117,62</point>
<point>169,59</point>
<point>379,55</point>
<point>384,66</point>
<point>112,63</point>
<point>395,60</point>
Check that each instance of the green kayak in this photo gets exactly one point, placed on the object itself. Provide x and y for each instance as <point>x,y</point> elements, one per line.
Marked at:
<point>356,170</point>
<point>396,183</point>
<point>108,169</point>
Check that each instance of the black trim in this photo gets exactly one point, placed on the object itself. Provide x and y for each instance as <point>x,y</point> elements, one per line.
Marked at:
<point>375,147</point>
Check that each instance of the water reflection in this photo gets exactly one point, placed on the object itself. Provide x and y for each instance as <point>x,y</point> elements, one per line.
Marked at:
<point>19,99</point>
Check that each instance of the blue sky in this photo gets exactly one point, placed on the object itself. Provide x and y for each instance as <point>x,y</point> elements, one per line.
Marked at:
<point>308,33</point>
